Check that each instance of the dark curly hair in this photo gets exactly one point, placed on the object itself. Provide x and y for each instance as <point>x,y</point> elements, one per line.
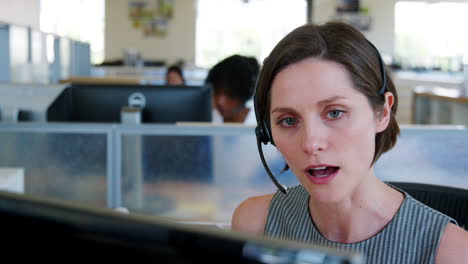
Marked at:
<point>235,76</point>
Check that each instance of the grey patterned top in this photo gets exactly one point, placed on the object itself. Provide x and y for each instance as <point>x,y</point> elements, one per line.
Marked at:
<point>412,236</point>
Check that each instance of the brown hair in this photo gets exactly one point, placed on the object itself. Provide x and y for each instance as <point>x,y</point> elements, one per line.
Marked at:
<point>340,43</point>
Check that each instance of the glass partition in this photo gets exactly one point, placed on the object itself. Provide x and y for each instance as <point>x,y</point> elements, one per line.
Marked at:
<point>193,173</point>
<point>433,155</point>
<point>200,174</point>
<point>19,55</point>
<point>4,52</point>
<point>64,163</point>
<point>39,65</point>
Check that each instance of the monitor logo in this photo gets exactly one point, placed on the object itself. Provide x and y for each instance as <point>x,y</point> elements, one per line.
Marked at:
<point>137,100</point>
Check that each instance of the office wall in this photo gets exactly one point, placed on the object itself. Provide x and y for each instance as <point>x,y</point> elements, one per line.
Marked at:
<point>382,13</point>
<point>178,44</point>
<point>20,12</point>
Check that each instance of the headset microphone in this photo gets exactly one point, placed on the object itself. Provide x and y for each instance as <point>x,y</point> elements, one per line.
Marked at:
<point>263,136</point>
<point>281,187</point>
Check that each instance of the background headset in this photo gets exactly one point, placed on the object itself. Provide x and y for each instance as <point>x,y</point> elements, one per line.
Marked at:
<point>263,133</point>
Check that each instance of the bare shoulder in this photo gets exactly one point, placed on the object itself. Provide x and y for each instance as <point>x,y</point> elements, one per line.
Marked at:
<point>453,246</point>
<point>250,216</point>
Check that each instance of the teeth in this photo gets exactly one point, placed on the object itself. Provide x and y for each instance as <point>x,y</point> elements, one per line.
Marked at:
<point>321,176</point>
<point>319,168</point>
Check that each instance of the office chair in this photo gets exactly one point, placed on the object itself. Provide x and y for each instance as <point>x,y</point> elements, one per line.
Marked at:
<point>448,200</point>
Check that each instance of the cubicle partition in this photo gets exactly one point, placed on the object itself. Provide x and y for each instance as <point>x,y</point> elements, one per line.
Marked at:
<point>32,56</point>
<point>64,162</point>
<point>193,173</point>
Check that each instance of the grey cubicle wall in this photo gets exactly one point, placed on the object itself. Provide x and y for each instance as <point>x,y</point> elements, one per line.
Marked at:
<point>64,162</point>
<point>20,57</point>
<point>27,56</point>
<point>40,67</point>
<point>4,53</point>
<point>434,154</point>
<point>80,58</point>
<point>111,165</point>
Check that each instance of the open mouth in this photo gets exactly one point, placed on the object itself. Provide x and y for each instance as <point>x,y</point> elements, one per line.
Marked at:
<point>321,172</point>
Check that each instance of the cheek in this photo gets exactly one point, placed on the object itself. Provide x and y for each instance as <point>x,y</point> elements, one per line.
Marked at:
<point>357,143</point>
<point>288,147</point>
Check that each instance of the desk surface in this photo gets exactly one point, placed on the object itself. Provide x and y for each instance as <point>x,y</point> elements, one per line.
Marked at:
<point>113,80</point>
<point>447,94</point>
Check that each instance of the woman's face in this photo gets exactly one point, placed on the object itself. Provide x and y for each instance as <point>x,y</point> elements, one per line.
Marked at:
<point>324,128</point>
<point>174,78</point>
<point>227,106</point>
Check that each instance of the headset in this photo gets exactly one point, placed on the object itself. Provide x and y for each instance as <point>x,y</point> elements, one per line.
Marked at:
<point>263,133</point>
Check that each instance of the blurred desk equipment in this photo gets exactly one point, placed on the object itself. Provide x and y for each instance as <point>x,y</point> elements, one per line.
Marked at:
<point>12,179</point>
<point>26,102</point>
<point>37,225</point>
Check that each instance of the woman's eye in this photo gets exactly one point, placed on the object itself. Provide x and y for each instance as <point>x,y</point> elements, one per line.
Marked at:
<point>289,121</point>
<point>335,114</point>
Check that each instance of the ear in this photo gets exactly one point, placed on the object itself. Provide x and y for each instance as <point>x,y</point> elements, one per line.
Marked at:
<point>384,118</point>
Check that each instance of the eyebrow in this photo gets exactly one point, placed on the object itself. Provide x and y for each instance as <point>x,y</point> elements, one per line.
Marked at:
<point>320,103</point>
<point>330,100</point>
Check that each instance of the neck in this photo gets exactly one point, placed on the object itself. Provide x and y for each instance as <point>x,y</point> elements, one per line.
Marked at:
<point>370,207</point>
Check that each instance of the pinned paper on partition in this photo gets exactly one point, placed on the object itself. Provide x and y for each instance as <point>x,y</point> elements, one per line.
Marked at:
<point>152,17</point>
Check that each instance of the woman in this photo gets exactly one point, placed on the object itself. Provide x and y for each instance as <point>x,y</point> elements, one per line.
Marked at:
<point>174,76</point>
<point>330,108</point>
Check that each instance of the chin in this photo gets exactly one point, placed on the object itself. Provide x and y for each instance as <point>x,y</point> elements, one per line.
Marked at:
<point>326,194</point>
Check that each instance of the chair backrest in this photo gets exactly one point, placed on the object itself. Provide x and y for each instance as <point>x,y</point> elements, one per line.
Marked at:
<point>448,200</point>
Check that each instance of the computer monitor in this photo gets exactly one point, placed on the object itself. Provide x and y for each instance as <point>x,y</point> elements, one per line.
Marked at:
<point>103,103</point>
<point>49,230</point>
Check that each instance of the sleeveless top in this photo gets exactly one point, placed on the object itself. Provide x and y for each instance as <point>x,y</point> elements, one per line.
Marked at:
<point>412,236</point>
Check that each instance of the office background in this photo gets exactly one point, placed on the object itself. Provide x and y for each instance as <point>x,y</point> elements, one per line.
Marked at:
<point>116,175</point>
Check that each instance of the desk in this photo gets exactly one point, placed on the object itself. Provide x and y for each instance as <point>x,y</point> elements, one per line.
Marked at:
<point>406,81</point>
<point>12,179</point>
<point>111,80</point>
<point>439,105</point>
<point>197,203</point>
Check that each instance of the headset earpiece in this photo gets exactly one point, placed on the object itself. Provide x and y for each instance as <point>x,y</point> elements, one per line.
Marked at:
<point>263,133</point>
<point>259,132</point>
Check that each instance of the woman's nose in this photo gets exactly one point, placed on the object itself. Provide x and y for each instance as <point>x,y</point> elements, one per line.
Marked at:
<point>314,138</point>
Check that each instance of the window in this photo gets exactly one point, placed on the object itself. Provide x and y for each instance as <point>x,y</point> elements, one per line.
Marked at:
<point>77,19</point>
<point>244,27</point>
<point>431,35</point>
